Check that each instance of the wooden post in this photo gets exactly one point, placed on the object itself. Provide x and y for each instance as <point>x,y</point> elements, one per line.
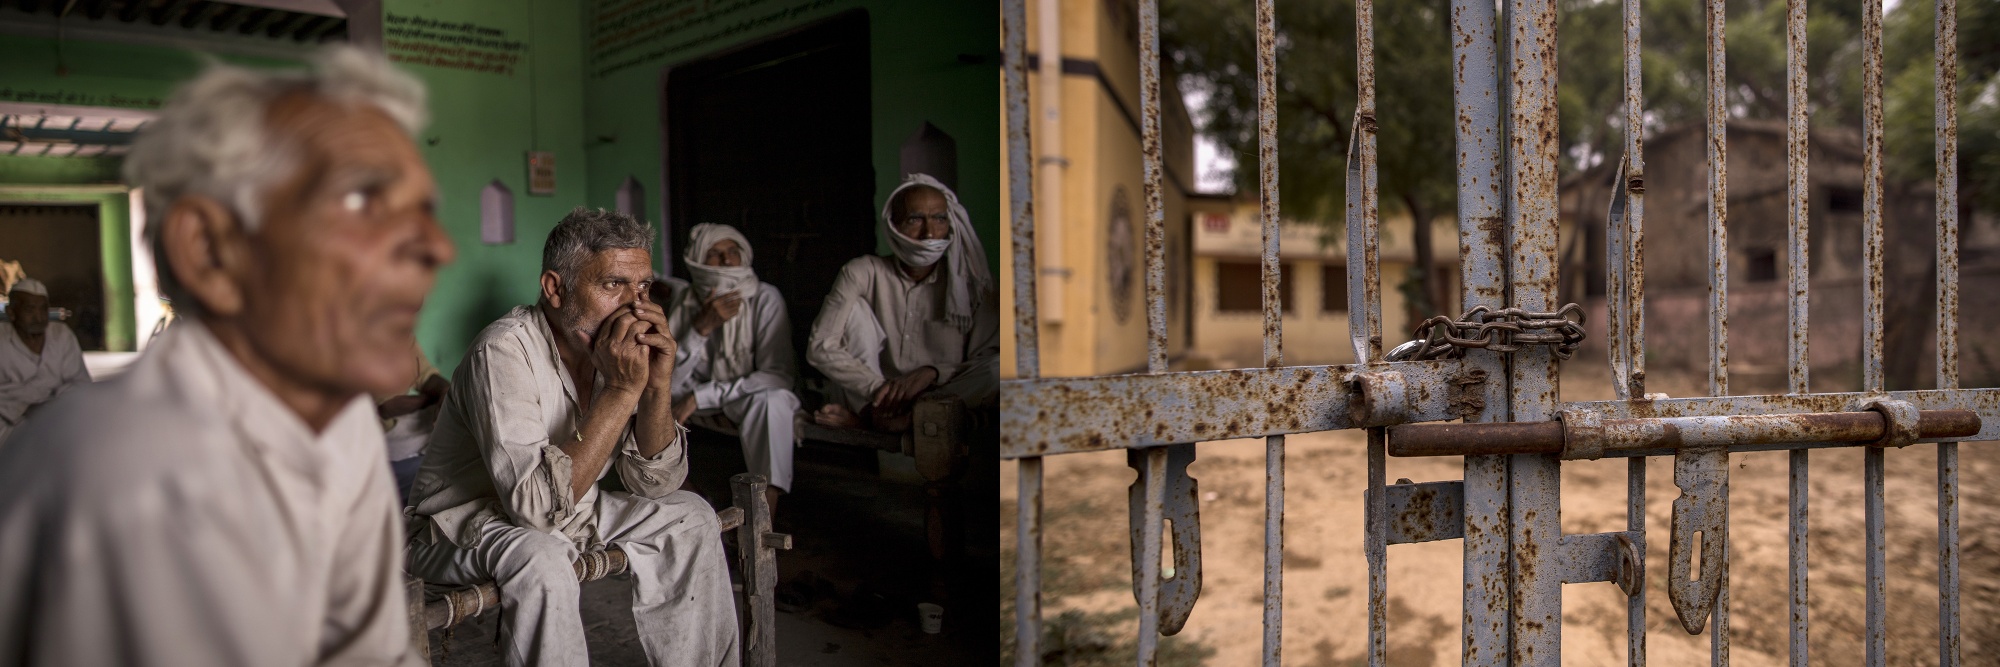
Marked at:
<point>760,571</point>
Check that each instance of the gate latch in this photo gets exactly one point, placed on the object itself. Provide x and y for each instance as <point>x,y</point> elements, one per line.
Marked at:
<point>1702,473</point>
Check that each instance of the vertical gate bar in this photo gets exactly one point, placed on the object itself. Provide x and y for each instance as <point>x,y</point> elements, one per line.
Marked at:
<point>1028,565</point>
<point>1535,500</point>
<point>1635,521</point>
<point>1152,482</point>
<point>1482,273</point>
<point>1718,282</point>
<point>1871,184</point>
<point>1632,310</point>
<point>1027,359</point>
<point>1274,446</point>
<point>1718,205</point>
<point>1874,641</point>
<point>1797,244</point>
<point>1376,543</point>
<point>1156,228</point>
<point>1364,292</point>
<point>1629,318</point>
<point>1365,318</point>
<point>1946,110</point>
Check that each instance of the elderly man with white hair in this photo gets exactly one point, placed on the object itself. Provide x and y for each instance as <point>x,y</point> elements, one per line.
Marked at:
<point>551,398</point>
<point>922,320</point>
<point>224,500</point>
<point>38,358</point>
<point>736,364</point>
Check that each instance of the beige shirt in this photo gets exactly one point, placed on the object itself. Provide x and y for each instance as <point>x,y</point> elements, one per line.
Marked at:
<point>494,454</point>
<point>179,514</point>
<point>911,315</point>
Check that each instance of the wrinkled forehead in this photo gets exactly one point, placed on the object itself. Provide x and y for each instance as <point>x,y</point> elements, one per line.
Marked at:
<point>627,264</point>
<point>337,138</point>
<point>26,298</point>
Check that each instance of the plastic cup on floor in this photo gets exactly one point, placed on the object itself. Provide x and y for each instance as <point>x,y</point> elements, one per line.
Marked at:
<point>932,617</point>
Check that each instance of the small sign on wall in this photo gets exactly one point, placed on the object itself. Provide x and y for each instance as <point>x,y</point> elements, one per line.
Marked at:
<point>541,172</point>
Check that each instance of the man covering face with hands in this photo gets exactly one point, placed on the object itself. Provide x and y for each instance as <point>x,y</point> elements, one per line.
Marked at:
<point>549,399</point>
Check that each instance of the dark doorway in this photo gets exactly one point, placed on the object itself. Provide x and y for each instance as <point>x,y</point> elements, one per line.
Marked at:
<point>774,138</point>
<point>59,245</point>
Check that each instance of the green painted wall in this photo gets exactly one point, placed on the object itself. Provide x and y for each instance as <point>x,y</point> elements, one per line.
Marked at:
<point>93,74</point>
<point>916,74</point>
<point>510,76</point>
<point>483,123</point>
<point>98,73</point>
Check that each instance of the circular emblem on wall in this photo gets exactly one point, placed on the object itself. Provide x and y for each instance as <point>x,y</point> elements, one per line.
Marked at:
<point>1121,255</point>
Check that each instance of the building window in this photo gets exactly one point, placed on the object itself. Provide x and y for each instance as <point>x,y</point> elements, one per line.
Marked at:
<point>1333,288</point>
<point>1844,200</point>
<point>1761,265</point>
<point>1239,287</point>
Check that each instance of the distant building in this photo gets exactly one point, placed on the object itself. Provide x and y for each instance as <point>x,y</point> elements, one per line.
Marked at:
<point>1676,263</point>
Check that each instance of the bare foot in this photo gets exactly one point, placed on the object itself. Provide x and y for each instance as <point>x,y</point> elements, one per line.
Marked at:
<point>835,415</point>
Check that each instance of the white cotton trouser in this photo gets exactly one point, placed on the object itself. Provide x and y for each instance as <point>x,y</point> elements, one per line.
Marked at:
<point>764,423</point>
<point>681,600</point>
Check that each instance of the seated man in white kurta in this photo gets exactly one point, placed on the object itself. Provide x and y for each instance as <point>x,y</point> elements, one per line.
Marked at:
<point>736,364</point>
<point>922,320</point>
<point>224,500</point>
<point>38,358</point>
<point>549,399</point>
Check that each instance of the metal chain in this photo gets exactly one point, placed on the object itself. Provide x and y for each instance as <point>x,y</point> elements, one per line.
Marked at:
<point>1502,331</point>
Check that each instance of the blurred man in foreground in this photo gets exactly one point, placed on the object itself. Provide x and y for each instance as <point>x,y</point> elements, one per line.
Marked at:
<point>38,358</point>
<point>549,399</point>
<point>925,319</point>
<point>224,501</point>
<point>736,364</point>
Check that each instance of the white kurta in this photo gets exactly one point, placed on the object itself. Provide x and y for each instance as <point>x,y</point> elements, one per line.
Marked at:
<point>179,514</point>
<point>760,404</point>
<point>28,379</point>
<point>493,501</point>
<point>907,333</point>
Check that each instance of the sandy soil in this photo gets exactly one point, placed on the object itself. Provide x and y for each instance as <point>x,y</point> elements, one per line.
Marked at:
<point>1089,610</point>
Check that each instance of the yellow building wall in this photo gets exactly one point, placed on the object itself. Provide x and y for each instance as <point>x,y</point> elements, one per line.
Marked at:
<point>1088,336</point>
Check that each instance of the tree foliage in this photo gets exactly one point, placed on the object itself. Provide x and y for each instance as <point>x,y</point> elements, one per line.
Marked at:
<point>1213,45</point>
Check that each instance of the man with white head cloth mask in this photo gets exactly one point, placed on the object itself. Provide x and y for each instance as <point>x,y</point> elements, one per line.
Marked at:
<point>924,319</point>
<point>224,501</point>
<point>38,358</point>
<point>735,363</point>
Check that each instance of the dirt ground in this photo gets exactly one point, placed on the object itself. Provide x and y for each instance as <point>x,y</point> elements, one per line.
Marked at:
<point>1090,615</point>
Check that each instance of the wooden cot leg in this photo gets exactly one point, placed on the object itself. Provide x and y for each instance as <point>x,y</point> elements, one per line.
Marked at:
<point>757,547</point>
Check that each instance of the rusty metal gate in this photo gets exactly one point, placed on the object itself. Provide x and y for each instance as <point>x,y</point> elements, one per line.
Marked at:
<point>1494,368</point>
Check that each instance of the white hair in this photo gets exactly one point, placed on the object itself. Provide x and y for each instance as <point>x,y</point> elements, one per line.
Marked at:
<point>212,138</point>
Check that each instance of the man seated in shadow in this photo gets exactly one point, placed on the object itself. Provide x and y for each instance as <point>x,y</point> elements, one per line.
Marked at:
<point>549,399</point>
<point>38,358</point>
<point>923,320</point>
<point>223,501</point>
<point>735,364</point>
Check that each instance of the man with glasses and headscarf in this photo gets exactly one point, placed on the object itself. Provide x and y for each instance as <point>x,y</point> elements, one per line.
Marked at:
<point>735,364</point>
<point>922,320</point>
<point>551,398</point>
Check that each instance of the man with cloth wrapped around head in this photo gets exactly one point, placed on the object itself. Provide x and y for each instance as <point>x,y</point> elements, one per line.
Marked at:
<point>924,319</point>
<point>735,364</point>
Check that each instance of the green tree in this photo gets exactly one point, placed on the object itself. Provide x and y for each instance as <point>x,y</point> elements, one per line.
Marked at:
<point>1214,45</point>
